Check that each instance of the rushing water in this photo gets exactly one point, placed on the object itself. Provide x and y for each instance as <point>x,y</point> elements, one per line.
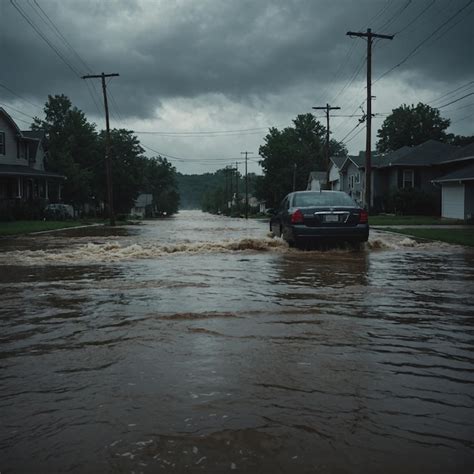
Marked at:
<point>201,344</point>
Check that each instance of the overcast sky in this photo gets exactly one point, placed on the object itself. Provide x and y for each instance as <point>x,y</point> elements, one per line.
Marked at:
<point>193,66</point>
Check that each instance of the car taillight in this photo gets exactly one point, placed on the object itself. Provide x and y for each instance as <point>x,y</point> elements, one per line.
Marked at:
<point>363,217</point>
<point>297,217</point>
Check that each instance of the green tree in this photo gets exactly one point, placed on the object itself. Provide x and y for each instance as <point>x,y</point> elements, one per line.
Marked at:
<point>460,140</point>
<point>72,147</point>
<point>160,179</point>
<point>127,169</point>
<point>293,151</point>
<point>411,126</point>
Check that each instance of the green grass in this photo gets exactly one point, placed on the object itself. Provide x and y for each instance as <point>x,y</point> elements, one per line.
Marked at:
<point>26,227</point>
<point>450,236</point>
<point>411,220</point>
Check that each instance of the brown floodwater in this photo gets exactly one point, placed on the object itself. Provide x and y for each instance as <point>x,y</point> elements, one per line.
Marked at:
<point>201,344</point>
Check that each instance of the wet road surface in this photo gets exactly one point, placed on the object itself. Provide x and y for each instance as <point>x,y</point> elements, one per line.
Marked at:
<point>200,344</point>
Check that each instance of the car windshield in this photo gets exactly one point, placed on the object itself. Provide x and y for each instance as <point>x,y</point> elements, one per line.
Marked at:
<point>322,199</point>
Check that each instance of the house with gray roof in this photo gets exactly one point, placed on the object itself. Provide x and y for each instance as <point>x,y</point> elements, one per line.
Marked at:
<point>457,186</point>
<point>24,181</point>
<point>417,167</point>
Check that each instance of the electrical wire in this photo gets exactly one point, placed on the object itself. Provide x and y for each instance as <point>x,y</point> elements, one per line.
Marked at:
<point>454,101</point>
<point>44,38</point>
<point>464,86</point>
<point>424,41</point>
<point>20,97</point>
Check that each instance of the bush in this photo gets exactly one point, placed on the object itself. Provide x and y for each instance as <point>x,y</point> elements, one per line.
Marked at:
<point>412,202</point>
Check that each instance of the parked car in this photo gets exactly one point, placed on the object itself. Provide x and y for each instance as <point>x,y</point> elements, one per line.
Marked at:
<point>59,212</point>
<point>306,217</point>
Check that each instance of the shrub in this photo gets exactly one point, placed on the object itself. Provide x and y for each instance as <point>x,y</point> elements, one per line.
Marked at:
<point>412,202</point>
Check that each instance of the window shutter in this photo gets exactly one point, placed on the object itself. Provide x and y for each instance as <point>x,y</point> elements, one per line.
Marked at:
<point>400,178</point>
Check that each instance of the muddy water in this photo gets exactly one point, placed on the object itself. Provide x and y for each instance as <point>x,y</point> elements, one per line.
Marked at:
<point>199,344</point>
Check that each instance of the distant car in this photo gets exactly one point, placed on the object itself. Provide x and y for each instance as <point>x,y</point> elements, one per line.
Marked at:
<point>59,212</point>
<point>306,217</point>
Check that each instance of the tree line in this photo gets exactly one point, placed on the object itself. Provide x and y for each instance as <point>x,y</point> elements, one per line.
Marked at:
<point>76,149</point>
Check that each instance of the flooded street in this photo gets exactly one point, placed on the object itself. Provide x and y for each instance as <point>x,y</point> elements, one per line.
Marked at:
<point>200,344</point>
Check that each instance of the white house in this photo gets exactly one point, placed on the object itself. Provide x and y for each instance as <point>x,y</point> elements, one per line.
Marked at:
<point>24,182</point>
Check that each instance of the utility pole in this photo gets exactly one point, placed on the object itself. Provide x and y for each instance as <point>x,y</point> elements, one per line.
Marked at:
<point>237,184</point>
<point>226,172</point>
<point>246,153</point>
<point>231,187</point>
<point>327,108</point>
<point>108,164</point>
<point>368,145</point>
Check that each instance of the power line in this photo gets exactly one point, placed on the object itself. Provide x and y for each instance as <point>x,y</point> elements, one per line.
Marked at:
<point>20,97</point>
<point>44,38</point>
<point>16,110</point>
<point>425,40</point>
<point>454,101</point>
<point>464,86</point>
<point>352,129</point>
<point>416,17</point>
<point>395,15</point>
<point>58,33</point>
<point>201,132</point>
<point>355,135</point>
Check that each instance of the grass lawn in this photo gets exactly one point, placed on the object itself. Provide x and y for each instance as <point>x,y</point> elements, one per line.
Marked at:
<point>450,236</point>
<point>26,227</point>
<point>411,220</point>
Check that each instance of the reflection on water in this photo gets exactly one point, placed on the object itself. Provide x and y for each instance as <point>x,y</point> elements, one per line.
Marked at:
<point>234,353</point>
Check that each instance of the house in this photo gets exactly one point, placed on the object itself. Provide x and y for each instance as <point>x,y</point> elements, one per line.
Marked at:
<point>317,180</point>
<point>143,205</point>
<point>352,177</point>
<point>406,168</point>
<point>335,177</point>
<point>25,185</point>
<point>457,187</point>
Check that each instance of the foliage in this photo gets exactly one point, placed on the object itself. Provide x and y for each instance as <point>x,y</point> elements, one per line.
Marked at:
<point>72,146</point>
<point>160,180</point>
<point>127,169</point>
<point>411,201</point>
<point>76,150</point>
<point>411,126</point>
<point>291,153</point>
<point>460,140</point>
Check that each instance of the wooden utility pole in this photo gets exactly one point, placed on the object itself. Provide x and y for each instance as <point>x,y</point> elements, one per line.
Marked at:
<point>368,144</point>
<point>231,186</point>
<point>327,108</point>
<point>237,184</point>
<point>246,153</point>
<point>108,164</point>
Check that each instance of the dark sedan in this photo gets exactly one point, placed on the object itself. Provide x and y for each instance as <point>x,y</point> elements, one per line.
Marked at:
<point>306,217</point>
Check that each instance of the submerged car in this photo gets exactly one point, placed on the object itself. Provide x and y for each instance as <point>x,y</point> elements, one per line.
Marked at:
<point>312,217</point>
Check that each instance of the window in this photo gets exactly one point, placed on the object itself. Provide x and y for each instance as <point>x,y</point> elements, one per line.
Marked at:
<point>2,143</point>
<point>357,178</point>
<point>351,181</point>
<point>408,179</point>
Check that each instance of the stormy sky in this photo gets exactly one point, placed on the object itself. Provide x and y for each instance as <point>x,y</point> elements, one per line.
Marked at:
<point>207,78</point>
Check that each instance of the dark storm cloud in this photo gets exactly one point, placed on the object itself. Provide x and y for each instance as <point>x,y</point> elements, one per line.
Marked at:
<point>241,49</point>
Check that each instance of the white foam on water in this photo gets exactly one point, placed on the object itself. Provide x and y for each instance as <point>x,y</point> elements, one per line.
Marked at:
<point>114,252</point>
